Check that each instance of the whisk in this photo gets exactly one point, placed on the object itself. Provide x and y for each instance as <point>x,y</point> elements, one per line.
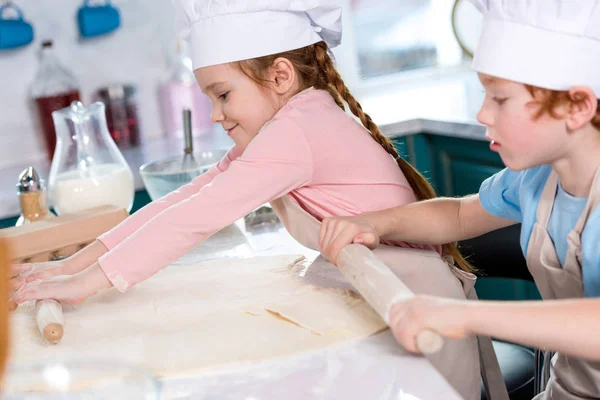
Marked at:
<point>188,162</point>
<point>164,176</point>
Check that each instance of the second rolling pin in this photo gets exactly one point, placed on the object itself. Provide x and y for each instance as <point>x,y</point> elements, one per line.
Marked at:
<point>381,288</point>
<point>50,320</point>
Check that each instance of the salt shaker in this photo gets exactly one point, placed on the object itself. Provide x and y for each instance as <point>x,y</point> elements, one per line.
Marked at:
<point>31,190</point>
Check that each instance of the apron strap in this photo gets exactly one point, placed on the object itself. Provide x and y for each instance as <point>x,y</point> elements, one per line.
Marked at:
<point>592,202</point>
<point>491,374</point>
<point>544,209</point>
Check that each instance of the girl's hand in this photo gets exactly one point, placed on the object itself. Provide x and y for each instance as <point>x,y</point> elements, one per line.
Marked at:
<point>446,317</point>
<point>69,289</point>
<point>336,233</point>
<point>26,273</point>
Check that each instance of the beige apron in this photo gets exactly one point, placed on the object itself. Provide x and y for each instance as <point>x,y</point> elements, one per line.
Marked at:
<point>571,378</point>
<point>424,272</point>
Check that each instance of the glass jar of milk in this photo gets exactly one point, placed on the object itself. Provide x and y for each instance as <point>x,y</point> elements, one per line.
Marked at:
<point>88,170</point>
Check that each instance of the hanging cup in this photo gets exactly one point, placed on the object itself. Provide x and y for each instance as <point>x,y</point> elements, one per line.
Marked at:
<point>97,20</point>
<point>14,32</point>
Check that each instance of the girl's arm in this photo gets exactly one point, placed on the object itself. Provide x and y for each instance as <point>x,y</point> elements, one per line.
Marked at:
<point>115,236</point>
<point>277,161</point>
<point>87,256</point>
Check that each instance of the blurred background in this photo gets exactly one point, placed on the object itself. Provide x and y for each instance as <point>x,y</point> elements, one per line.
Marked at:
<point>138,68</point>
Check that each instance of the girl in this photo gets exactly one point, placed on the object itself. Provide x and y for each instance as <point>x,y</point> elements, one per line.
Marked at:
<point>539,71</point>
<point>276,92</point>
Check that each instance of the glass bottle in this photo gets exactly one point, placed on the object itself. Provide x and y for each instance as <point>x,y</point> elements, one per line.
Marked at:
<point>121,113</point>
<point>178,91</point>
<point>54,87</point>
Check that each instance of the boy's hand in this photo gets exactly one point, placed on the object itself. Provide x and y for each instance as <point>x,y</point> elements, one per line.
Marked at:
<point>338,232</point>
<point>446,317</point>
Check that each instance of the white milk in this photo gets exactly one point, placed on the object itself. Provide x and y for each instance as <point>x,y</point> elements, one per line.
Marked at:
<point>108,184</point>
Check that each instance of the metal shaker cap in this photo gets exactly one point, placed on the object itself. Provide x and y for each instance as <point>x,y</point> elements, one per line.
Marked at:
<point>30,181</point>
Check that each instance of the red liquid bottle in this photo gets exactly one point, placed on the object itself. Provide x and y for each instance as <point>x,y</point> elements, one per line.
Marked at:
<point>53,88</point>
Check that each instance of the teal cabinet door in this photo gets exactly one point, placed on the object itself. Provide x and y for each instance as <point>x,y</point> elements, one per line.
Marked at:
<point>461,165</point>
<point>400,145</point>
<point>140,200</point>
<point>454,166</point>
<point>416,149</point>
<point>8,222</point>
<point>464,177</point>
<point>506,289</point>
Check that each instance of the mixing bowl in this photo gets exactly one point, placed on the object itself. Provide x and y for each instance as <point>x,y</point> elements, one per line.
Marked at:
<point>164,176</point>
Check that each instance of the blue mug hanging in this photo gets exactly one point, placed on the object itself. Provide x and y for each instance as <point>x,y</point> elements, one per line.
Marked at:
<point>14,32</point>
<point>97,20</point>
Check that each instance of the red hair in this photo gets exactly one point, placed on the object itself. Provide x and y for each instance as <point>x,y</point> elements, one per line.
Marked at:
<point>550,100</point>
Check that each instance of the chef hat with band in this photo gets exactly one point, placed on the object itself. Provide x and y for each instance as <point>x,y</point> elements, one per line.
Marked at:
<point>552,44</point>
<point>223,31</point>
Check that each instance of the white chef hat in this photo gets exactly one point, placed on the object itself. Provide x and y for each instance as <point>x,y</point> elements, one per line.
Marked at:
<point>222,31</point>
<point>553,44</point>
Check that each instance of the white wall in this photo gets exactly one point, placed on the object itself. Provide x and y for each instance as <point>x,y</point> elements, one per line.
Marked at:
<point>136,53</point>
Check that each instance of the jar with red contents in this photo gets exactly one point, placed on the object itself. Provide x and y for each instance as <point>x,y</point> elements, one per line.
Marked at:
<point>121,113</point>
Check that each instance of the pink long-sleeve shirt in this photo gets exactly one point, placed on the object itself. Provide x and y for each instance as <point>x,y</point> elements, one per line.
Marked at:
<point>311,150</point>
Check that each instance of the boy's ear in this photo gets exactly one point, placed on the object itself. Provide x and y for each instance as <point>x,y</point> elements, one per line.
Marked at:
<point>583,107</point>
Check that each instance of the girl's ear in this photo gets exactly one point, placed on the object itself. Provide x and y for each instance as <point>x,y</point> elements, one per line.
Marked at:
<point>282,76</point>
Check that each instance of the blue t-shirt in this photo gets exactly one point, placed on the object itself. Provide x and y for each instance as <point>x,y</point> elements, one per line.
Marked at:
<point>516,195</point>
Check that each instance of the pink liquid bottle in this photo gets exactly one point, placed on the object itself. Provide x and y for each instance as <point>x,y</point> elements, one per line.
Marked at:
<point>179,90</point>
<point>54,87</point>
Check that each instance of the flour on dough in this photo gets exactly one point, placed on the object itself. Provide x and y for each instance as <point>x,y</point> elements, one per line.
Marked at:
<point>188,319</point>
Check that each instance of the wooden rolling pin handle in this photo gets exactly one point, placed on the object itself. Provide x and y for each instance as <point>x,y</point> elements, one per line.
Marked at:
<point>381,288</point>
<point>429,342</point>
<point>50,320</point>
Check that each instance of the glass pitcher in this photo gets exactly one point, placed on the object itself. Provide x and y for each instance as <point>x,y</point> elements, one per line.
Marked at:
<point>88,170</point>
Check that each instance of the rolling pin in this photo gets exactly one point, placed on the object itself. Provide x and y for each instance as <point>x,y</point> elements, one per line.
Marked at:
<point>50,320</point>
<point>381,288</point>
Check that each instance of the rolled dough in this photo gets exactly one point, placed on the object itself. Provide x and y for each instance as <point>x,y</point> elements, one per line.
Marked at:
<point>190,318</point>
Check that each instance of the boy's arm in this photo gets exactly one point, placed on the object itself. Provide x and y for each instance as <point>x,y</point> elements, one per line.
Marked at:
<point>436,221</point>
<point>567,326</point>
